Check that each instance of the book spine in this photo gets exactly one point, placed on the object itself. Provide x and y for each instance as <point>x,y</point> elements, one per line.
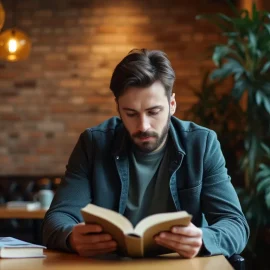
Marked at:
<point>134,245</point>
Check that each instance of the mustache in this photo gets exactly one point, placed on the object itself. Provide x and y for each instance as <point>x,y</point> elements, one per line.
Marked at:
<point>146,134</point>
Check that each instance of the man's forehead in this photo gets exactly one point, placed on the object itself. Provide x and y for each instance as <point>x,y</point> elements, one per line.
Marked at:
<point>154,92</point>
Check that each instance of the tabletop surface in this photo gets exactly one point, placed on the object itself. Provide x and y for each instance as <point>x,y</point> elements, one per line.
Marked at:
<point>64,261</point>
<point>22,213</point>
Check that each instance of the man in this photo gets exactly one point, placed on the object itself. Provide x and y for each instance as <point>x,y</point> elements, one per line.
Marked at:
<point>146,162</point>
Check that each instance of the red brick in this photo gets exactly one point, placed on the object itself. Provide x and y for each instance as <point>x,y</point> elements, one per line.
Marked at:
<point>63,87</point>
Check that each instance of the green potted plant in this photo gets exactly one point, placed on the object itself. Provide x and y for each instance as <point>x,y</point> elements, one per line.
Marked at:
<point>219,111</point>
<point>245,58</point>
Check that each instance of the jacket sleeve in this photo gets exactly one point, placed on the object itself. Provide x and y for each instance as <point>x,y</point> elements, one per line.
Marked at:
<point>73,193</point>
<point>227,231</point>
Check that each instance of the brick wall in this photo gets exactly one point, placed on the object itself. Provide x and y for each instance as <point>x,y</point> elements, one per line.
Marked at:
<point>46,101</point>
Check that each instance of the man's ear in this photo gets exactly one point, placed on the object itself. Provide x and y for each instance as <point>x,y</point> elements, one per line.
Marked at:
<point>172,104</point>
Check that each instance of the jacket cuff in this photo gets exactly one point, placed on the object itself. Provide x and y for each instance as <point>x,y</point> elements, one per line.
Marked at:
<point>210,245</point>
<point>65,241</point>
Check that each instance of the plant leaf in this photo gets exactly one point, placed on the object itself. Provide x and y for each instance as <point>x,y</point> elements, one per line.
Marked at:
<point>262,185</point>
<point>213,19</point>
<point>239,48</point>
<point>252,41</point>
<point>232,6</point>
<point>262,174</point>
<point>243,163</point>
<point>255,13</point>
<point>266,149</point>
<point>220,73</point>
<point>262,166</point>
<point>263,98</point>
<point>224,17</point>
<point>239,87</point>
<point>267,200</point>
<point>242,24</point>
<point>267,26</point>
<point>265,67</point>
<point>258,98</point>
<point>265,15</point>
<point>221,51</point>
<point>266,88</point>
<point>232,66</point>
<point>231,34</point>
<point>266,103</point>
<point>252,155</point>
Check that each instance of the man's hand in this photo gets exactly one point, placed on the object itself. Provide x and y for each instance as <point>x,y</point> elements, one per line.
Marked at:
<point>88,240</point>
<point>186,241</point>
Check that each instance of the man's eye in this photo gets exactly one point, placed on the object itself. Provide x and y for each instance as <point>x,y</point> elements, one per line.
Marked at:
<point>153,112</point>
<point>131,114</point>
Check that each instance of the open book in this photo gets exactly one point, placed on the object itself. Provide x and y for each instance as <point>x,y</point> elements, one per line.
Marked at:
<point>13,248</point>
<point>138,241</point>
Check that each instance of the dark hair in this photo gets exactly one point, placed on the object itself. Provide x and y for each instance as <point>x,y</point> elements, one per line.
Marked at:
<point>141,68</point>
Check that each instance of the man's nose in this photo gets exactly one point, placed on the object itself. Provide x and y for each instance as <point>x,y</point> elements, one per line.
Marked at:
<point>144,123</point>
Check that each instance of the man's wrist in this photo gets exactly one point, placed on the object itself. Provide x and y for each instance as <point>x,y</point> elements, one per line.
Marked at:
<point>69,243</point>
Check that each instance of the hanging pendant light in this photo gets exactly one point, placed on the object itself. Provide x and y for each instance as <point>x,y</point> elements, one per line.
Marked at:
<point>15,45</point>
<point>2,15</point>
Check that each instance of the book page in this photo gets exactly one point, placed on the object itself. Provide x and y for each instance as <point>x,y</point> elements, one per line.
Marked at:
<point>113,223</point>
<point>134,245</point>
<point>150,221</point>
<point>152,225</point>
<point>111,216</point>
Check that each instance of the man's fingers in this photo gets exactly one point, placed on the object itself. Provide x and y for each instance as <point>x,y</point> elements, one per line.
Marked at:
<point>94,238</point>
<point>181,239</point>
<point>186,251</point>
<point>190,231</point>
<point>164,244</point>
<point>175,245</point>
<point>97,246</point>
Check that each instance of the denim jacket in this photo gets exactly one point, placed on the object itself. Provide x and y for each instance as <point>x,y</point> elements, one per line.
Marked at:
<point>98,172</point>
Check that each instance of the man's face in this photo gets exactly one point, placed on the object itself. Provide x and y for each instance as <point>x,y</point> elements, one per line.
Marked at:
<point>146,113</point>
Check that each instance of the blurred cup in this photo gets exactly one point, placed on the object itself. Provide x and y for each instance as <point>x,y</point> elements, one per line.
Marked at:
<point>45,197</point>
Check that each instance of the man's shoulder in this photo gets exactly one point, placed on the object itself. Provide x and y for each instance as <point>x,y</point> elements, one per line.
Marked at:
<point>104,134</point>
<point>188,126</point>
<point>188,134</point>
<point>108,125</point>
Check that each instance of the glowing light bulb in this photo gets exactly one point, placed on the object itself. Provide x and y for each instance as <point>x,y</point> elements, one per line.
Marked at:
<point>15,45</point>
<point>12,45</point>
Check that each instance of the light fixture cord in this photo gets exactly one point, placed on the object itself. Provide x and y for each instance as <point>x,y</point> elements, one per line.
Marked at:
<point>14,14</point>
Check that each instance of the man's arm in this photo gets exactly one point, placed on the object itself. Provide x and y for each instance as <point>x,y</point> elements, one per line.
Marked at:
<point>228,230</point>
<point>73,193</point>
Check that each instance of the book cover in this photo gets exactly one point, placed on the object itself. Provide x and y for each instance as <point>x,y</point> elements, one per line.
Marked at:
<point>14,248</point>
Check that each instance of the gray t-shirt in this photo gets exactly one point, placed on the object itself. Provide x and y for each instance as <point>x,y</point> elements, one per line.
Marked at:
<point>149,191</point>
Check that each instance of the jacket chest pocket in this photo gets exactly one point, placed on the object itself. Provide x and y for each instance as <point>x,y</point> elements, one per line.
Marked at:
<point>190,200</point>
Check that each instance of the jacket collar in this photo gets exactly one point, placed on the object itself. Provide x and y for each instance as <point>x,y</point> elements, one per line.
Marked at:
<point>121,141</point>
<point>175,135</point>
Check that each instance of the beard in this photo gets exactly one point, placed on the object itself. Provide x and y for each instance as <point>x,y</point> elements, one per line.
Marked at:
<point>150,146</point>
